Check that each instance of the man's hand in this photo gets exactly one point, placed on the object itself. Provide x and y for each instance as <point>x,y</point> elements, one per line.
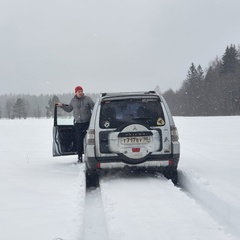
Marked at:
<point>59,104</point>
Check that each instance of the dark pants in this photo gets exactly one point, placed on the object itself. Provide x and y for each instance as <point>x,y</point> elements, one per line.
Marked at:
<point>80,131</point>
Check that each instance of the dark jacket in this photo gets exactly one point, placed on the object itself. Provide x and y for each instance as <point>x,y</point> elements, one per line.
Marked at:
<point>81,108</point>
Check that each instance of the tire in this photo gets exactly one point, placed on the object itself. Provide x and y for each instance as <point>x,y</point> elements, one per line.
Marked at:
<point>92,178</point>
<point>124,156</point>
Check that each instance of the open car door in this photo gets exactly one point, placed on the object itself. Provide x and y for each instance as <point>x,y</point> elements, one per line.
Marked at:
<point>64,140</point>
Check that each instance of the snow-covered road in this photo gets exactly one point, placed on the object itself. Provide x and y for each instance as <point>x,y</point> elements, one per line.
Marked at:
<point>45,198</point>
<point>144,206</point>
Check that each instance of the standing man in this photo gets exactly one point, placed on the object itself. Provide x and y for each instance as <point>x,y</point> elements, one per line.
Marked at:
<point>82,106</point>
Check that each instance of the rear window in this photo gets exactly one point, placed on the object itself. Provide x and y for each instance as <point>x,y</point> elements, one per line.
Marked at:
<point>147,111</point>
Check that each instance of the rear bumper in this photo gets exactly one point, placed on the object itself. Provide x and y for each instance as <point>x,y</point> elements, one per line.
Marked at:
<point>154,161</point>
<point>119,165</point>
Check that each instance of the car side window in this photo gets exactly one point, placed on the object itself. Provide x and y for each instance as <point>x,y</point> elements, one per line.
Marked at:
<point>64,118</point>
<point>108,116</point>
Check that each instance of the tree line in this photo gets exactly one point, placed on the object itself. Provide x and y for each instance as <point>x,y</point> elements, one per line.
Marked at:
<point>213,93</point>
<point>31,106</point>
<point>216,93</point>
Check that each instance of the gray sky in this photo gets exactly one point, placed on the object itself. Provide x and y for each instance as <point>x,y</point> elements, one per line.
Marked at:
<point>51,46</point>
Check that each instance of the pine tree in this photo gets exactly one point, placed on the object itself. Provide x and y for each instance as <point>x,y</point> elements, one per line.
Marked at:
<point>170,97</point>
<point>19,109</point>
<point>230,60</point>
<point>192,72</point>
<point>213,90</point>
<point>51,105</point>
<point>230,81</point>
<point>200,73</point>
<point>8,107</point>
<point>191,91</point>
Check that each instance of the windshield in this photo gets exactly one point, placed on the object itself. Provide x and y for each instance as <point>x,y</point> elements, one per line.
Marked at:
<point>147,111</point>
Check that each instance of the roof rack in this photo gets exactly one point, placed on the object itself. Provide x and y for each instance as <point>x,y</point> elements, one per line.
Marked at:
<point>127,93</point>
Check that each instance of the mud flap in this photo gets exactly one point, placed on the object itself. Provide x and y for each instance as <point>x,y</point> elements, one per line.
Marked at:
<point>172,175</point>
<point>92,178</point>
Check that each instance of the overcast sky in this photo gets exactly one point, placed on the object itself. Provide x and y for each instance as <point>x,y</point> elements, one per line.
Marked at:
<point>51,46</point>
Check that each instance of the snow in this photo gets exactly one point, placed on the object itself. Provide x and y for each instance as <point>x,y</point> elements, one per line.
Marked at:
<point>45,198</point>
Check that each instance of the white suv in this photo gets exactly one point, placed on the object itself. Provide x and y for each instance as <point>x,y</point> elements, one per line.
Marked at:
<point>134,129</point>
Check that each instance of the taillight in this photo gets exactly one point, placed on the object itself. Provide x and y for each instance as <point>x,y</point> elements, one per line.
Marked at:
<point>174,134</point>
<point>98,165</point>
<point>90,136</point>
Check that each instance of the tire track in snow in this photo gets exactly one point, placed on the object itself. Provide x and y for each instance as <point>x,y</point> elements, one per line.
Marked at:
<point>224,211</point>
<point>143,207</point>
<point>94,221</point>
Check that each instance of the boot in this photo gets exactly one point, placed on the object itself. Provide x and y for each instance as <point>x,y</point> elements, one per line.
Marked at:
<point>79,158</point>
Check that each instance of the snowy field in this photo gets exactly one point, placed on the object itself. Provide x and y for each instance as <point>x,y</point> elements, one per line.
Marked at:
<point>44,198</point>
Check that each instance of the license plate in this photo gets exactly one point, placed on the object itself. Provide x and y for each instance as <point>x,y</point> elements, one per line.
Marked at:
<point>134,140</point>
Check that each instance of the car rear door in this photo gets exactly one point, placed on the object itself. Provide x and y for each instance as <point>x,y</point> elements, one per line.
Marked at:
<point>64,141</point>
